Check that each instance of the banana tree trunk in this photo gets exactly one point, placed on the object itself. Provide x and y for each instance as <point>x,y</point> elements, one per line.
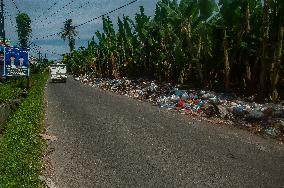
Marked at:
<point>186,30</point>
<point>265,37</point>
<point>226,62</point>
<point>247,17</point>
<point>115,70</point>
<point>276,64</point>
<point>199,65</point>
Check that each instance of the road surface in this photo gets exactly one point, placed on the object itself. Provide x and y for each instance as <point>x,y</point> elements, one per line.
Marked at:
<point>108,140</point>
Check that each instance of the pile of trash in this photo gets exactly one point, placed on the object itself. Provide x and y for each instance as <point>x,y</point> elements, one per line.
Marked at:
<point>265,118</point>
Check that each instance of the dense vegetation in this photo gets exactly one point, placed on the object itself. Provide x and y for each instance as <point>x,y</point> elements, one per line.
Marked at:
<point>41,66</point>
<point>24,29</point>
<point>10,90</point>
<point>235,45</point>
<point>20,144</point>
<point>17,87</point>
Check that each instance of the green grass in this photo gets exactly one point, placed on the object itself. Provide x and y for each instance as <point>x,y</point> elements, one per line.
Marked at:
<point>9,91</point>
<point>20,144</point>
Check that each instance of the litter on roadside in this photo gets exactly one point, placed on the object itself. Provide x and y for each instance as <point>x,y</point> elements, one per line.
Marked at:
<point>197,102</point>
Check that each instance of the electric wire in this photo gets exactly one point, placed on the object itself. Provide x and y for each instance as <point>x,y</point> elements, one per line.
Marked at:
<point>50,51</point>
<point>35,46</point>
<point>8,15</point>
<point>114,10</point>
<point>84,23</point>
<point>60,9</point>
<point>16,6</point>
<point>72,11</point>
<point>91,20</point>
<point>53,5</point>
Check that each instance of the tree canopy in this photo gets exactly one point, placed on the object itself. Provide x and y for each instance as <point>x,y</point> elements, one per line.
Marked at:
<point>235,45</point>
<point>23,28</point>
<point>69,33</point>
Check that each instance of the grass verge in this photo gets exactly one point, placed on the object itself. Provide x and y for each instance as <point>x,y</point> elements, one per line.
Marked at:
<point>10,90</point>
<point>20,145</point>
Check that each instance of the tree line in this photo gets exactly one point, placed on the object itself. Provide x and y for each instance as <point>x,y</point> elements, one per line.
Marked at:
<point>232,45</point>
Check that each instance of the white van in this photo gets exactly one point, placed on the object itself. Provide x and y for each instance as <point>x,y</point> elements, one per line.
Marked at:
<point>58,72</point>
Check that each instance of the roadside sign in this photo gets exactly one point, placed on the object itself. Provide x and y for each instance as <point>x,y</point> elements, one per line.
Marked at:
<point>16,62</point>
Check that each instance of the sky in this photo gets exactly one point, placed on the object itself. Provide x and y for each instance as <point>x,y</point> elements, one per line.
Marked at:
<point>45,22</point>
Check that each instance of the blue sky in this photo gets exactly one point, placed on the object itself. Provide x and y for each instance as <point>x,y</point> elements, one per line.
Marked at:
<point>48,22</point>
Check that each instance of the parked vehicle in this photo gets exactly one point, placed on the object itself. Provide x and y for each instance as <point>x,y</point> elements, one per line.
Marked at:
<point>58,72</point>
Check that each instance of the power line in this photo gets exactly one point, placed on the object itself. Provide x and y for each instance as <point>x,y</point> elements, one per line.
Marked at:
<point>79,7</point>
<point>47,36</point>
<point>72,1</point>
<point>52,6</point>
<point>54,3</point>
<point>114,10</point>
<point>10,18</point>
<point>84,4</point>
<point>37,47</point>
<point>16,6</point>
<point>91,20</point>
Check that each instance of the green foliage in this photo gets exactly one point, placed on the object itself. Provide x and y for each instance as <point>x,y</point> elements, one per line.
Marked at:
<point>69,33</point>
<point>24,29</point>
<point>20,144</point>
<point>41,66</point>
<point>12,88</point>
<point>194,42</point>
<point>9,92</point>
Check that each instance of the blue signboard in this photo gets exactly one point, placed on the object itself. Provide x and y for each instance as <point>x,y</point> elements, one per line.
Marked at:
<point>16,62</point>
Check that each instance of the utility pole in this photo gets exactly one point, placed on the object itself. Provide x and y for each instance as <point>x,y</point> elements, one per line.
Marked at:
<point>2,25</point>
<point>39,56</point>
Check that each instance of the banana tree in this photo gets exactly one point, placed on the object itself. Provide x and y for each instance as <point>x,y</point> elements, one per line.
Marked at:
<point>264,49</point>
<point>143,34</point>
<point>278,15</point>
<point>193,41</point>
<point>111,46</point>
<point>190,18</point>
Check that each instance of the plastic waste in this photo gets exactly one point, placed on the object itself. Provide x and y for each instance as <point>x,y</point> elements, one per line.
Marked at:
<point>272,131</point>
<point>185,96</point>
<point>255,115</point>
<point>175,98</point>
<point>238,110</point>
<point>198,102</point>
<point>223,112</point>
<point>181,104</point>
<point>179,93</point>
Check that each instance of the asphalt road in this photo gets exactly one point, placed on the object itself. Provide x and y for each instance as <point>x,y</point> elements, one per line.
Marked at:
<point>107,140</point>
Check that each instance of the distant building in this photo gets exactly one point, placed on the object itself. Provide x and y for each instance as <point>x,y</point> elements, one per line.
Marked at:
<point>7,43</point>
<point>33,60</point>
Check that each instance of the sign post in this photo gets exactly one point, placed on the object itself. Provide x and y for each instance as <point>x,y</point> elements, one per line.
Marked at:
<point>16,62</point>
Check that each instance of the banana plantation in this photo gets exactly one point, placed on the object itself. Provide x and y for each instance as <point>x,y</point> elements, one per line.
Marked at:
<point>230,45</point>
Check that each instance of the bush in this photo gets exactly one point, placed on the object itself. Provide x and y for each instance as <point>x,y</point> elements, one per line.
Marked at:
<point>10,90</point>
